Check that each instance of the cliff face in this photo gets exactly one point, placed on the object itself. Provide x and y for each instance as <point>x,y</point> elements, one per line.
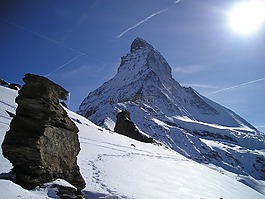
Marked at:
<point>42,143</point>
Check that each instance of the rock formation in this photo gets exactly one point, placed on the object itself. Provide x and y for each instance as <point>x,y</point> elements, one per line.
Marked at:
<point>42,143</point>
<point>126,127</point>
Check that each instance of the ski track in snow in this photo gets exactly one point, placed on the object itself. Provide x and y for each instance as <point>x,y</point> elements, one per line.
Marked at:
<point>127,154</point>
<point>123,150</point>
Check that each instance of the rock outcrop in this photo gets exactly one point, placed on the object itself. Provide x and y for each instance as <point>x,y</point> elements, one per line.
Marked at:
<point>13,86</point>
<point>125,126</point>
<point>42,143</point>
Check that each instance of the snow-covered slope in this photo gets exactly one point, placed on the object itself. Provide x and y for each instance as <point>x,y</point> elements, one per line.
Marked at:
<point>115,166</point>
<point>7,103</point>
<point>179,117</point>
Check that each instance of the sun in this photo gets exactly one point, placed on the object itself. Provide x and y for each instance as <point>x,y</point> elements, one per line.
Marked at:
<point>247,17</point>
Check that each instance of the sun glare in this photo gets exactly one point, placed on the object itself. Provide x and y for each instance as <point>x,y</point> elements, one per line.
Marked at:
<point>247,17</point>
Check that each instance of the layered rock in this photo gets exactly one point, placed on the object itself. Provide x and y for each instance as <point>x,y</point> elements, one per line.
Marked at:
<point>126,127</point>
<point>42,143</point>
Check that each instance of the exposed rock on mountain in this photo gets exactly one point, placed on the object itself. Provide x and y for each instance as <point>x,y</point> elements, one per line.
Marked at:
<point>126,127</point>
<point>42,143</point>
<point>3,82</point>
<point>177,116</point>
<point>12,85</point>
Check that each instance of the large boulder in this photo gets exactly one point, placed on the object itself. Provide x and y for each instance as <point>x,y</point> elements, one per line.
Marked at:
<point>42,143</point>
<point>125,126</point>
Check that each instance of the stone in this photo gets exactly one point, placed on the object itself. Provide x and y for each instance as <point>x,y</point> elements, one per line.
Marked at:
<point>42,143</point>
<point>125,126</point>
<point>139,43</point>
<point>3,82</point>
<point>14,86</point>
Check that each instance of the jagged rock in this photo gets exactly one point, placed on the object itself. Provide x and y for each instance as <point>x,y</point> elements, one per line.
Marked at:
<point>14,86</point>
<point>63,189</point>
<point>3,82</point>
<point>126,127</point>
<point>42,143</point>
<point>139,43</point>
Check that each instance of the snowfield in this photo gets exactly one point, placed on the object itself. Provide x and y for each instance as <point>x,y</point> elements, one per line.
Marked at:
<point>115,166</point>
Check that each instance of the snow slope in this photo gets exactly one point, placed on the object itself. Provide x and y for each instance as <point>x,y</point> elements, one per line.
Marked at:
<point>115,166</point>
<point>179,117</point>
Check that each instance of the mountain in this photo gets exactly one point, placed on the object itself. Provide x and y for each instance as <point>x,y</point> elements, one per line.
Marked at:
<point>115,166</point>
<point>178,117</point>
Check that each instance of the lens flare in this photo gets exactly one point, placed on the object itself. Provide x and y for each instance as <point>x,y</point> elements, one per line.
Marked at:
<point>247,17</point>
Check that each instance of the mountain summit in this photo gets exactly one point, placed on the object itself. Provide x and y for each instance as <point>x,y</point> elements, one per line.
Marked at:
<point>139,43</point>
<point>144,76</point>
<point>177,116</point>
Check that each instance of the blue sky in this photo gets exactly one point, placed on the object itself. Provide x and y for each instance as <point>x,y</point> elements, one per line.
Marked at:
<point>78,44</point>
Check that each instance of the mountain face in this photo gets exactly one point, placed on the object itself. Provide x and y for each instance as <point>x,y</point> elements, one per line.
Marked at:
<point>177,116</point>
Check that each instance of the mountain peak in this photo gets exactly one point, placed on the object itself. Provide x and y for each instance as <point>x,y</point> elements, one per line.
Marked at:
<point>178,117</point>
<point>140,43</point>
<point>143,59</point>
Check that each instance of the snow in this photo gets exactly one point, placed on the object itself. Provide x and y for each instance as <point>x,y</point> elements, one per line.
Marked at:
<point>115,166</point>
<point>178,117</point>
<point>7,103</point>
<point>9,190</point>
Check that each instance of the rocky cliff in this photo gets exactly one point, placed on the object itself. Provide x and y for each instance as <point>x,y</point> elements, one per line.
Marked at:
<point>42,143</point>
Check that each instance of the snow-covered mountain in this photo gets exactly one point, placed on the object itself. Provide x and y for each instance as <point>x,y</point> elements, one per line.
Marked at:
<point>115,166</point>
<point>179,117</point>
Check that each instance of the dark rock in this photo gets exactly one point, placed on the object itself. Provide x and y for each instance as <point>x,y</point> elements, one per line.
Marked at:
<point>8,85</point>
<point>68,192</point>
<point>139,43</point>
<point>125,126</point>
<point>42,143</point>
<point>3,82</point>
<point>64,104</point>
<point>14,86</point>
<point>10,114</point>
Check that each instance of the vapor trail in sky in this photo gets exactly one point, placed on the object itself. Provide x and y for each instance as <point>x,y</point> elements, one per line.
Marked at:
<point>63,65</point>
<point>44,37</point>
<point>146,19</point>
<point>51,40</point>
<point>237,86</point>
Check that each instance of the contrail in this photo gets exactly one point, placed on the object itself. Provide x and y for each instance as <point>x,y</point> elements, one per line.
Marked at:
<point>50,40</point>
<point>63,65</point>
<point>42,36</point>
<point>146,19</point>
<point>237,86</point>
